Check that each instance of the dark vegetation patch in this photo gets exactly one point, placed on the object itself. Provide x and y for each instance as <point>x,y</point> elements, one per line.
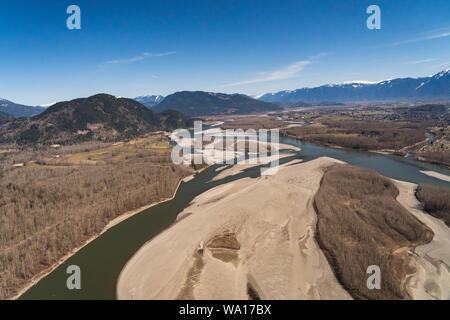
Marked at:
<point>441,156</point>
<point>424,112</point>
<point>226,241</point>
<point>252,293</point>
<point>435,200</point>
<point>360,223</point>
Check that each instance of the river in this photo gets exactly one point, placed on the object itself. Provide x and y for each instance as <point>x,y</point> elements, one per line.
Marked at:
<point>102,260</point>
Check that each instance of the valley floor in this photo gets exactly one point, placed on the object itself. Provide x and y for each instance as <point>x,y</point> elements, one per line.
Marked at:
<point>432,260</point>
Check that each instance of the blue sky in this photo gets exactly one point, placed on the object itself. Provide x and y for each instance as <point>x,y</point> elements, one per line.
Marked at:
<point>130,48</point>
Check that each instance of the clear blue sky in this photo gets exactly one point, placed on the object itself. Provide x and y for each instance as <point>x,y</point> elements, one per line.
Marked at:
<point>130,48</point>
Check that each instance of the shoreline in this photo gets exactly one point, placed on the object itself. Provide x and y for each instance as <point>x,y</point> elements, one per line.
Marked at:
<point>122,217</point>
<point>431,261</point>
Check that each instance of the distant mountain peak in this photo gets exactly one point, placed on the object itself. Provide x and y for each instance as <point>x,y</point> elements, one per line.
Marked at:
<point>432,87</point>
<point>442,74</point>
<point>19,110</point>
<point>149,100</point>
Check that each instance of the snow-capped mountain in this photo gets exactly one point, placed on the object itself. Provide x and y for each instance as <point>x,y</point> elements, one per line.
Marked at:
<point>245,95</point>
<point>435,87</point>
<point>19,110</point>
<point>149,100</point>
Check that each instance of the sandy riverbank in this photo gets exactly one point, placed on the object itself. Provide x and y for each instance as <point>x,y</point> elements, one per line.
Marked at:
<point>432,261</point>
<point>256,233</point>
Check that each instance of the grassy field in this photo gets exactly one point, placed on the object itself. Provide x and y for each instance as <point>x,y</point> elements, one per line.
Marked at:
<point>107,153</point>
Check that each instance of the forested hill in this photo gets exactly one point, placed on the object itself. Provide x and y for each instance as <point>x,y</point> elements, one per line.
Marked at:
<point>100,117</point>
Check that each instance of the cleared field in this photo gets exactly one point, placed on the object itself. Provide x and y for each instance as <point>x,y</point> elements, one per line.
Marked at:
<point>153,146</point>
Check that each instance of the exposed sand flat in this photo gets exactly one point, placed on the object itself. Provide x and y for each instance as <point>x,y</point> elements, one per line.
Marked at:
<point>250,232</point>
<point>432,261</point>
<point>436,175</point>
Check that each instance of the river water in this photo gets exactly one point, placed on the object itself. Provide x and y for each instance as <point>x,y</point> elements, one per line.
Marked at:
<point>102,260</point>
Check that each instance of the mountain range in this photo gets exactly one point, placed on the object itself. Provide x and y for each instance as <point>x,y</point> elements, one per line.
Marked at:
<point>100,117</point>
<point>150,100</point>
<point>200,103</point>
<point>19,110</point>
<point>4,117</point>
<point>436,87</point>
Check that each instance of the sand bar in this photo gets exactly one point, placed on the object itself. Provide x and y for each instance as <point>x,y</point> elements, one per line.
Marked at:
<point>266,228</point>
<point>436,175</point>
